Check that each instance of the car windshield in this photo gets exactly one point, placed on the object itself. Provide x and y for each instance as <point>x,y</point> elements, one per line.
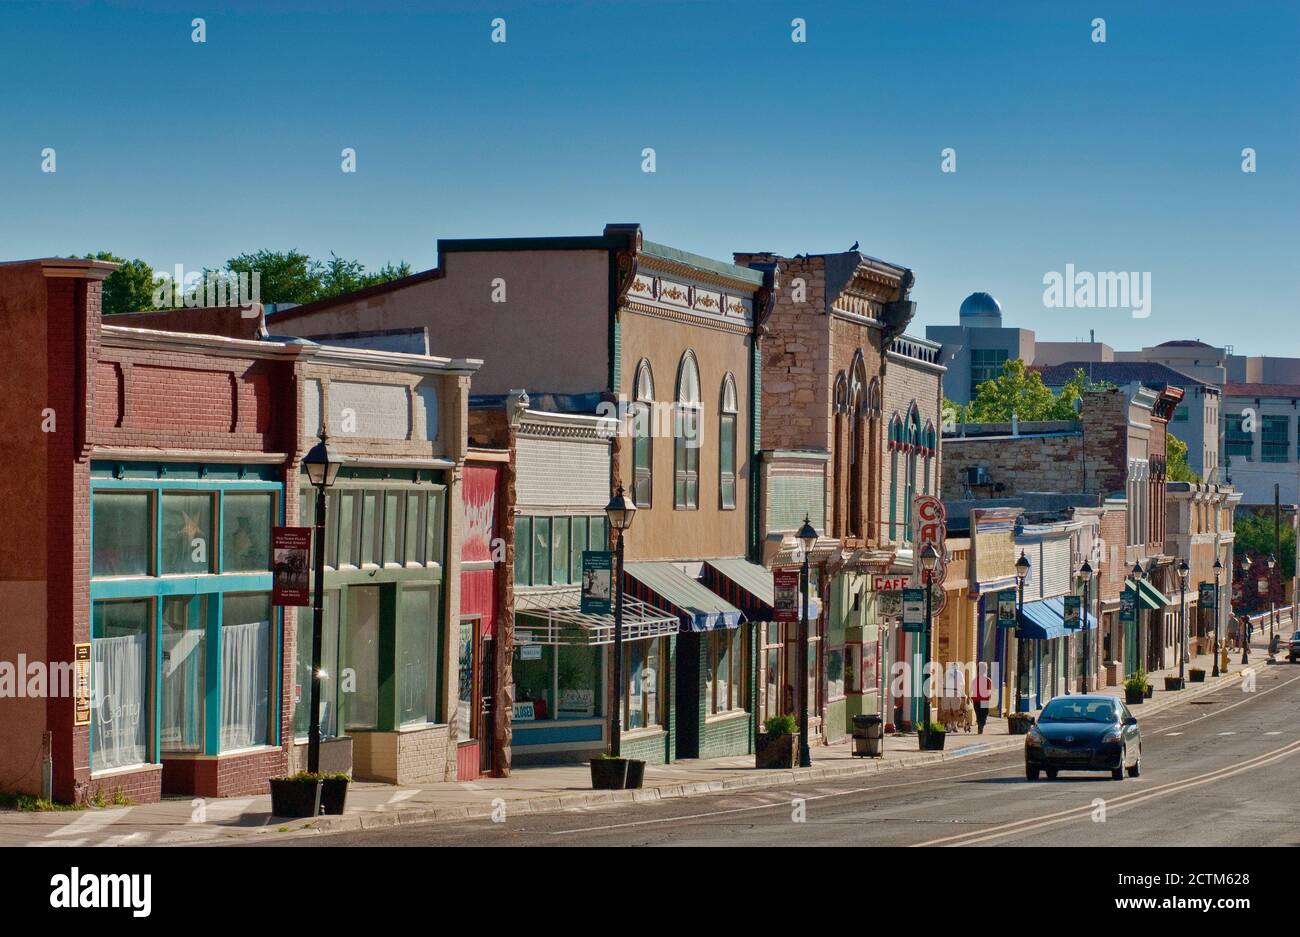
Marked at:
<point>1296,636</point>
<point>1069,710</point>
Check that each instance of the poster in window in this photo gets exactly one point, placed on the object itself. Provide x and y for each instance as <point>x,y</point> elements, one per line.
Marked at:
<point>785,587</point>
<point>852,667</point>
<point>870,666</point>
<point>597,582</point>
<point>291,550</point>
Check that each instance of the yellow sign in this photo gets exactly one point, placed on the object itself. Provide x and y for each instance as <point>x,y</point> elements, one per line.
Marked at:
<point>81,675</point>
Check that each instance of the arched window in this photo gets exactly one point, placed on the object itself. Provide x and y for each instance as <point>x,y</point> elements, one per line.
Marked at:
<point>840,453</point>
<point>873,458</point>
<point>727,445</point>
<point>929,448</point>
<point>689,432</point>
<point>912,446</point>
<point>857,443</point>
<point>642,412</point>
<point>895,448</point>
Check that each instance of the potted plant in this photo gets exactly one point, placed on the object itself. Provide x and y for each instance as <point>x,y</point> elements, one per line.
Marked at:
<point>1173,683</point>
<point>1135,688</point>
<point>1019,723</point>
<point>778,743</point>
<point>931,736</point>
<point>334,793</point>
<point>1150,691</point>
<point>610,773</point>
<point>297,795</point>
<point>1196,675</point>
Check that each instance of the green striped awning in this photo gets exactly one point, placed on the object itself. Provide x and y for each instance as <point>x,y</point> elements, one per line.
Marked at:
<point>664,584</point>
<point>1148,595</point>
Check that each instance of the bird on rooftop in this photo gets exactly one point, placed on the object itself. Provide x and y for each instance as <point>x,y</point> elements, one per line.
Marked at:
<point>854,247</point>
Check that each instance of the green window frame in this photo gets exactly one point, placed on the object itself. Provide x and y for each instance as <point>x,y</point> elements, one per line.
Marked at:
<point>1275,438</point>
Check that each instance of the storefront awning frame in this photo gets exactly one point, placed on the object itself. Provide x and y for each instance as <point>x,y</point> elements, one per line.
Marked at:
<point>569,625</point>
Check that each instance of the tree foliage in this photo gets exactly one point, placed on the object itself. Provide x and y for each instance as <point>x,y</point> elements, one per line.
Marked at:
<point>1022,392</point>
<point>1176,467</point>
<point>129,288</point>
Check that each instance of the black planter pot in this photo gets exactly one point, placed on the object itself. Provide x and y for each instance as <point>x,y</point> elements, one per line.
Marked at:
<point>1150,691</point>
<point>1196,676</point>
<point>616,774</point>
<point>776,751</point>
<point>1134,697</point>
<point>333,796</point>
<point>1019,723</point>
<point>932,741</point>
<point>1173,683</point>
<point>635,774</point>
<point>295,798</point>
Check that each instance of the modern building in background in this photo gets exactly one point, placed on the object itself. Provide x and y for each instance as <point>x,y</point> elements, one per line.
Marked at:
<point>974,350</point>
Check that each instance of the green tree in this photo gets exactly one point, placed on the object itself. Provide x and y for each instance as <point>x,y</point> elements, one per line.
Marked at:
<point>1022,392</point>
<point>283,276</point>
<point>1253,536</point>
<point>129,288</point>
<point>1176,467</point>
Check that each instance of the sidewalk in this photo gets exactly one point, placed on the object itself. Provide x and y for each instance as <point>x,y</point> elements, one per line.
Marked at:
<point>179,821</point>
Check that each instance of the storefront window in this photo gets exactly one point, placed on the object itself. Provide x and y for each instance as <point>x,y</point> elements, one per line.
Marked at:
<point>578,543</point>
<point>835,672</point>
<point>122,533</point>
<point>246,656</point>
<point>770,704</point>
<point>346,510</point>
<point>184,639</point>
<point>465,682</point>
<point>414,542</point>
<point>246,531</point>
<point>523,551</point>
<point>392,519</point>
<point>370,515</point>
<point>329,665</point>
<point>120,688</point>
<point>361,703</point>
<point>641,671</point>
<point>433,527</point>
<point>724,682</point>
<point>560,550</point>
<point>534,669</point>
<point>541,551</point>
<point>417,648</point>
<point>187,533</point>
<point>578,682</point>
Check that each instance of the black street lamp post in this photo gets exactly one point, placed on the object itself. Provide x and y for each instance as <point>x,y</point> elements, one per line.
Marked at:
<point>1183,570</point>
<point>1022,573</point>
<point>1245,625</point>
<point>1136,573</point>
<point>1272,598</point>
<point>620,511</point>
<point>1085,573</point>
<point>322,463</point>
<point>808,538</point>
<point>929,560</point>
<point>1218,571</point>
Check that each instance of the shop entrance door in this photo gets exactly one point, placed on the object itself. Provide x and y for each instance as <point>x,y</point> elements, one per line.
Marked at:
<point>485,719</point>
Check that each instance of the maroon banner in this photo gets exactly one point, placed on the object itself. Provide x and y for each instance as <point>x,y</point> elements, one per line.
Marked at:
<point>291,549</point>
<point>785,586</point>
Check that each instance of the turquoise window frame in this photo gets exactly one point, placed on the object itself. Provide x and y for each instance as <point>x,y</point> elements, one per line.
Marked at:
<point>155,480</point>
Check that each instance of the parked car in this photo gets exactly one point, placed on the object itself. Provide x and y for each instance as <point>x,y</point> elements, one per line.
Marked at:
<point>1084,733</point>
<point>1293,649</point>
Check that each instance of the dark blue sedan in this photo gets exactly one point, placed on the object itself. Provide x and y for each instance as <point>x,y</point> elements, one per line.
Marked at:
<point>1084,733</point>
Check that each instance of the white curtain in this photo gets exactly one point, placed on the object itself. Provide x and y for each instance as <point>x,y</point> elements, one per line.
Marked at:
<point>245,684</point>
<point>182,702</point>
<point>119,669</point>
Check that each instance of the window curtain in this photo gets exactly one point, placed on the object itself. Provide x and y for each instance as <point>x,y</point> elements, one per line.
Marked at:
<point>182,702</point>
<point>119,672</point>
<point>245,684</point>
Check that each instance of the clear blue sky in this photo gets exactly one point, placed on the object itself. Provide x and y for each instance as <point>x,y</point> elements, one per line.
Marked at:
<point>1122,156</point>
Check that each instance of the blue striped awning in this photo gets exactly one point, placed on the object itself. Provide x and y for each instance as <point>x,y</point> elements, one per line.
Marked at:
<point>1044,620</point>
<point>1058,606</point>
<point>666,586</point>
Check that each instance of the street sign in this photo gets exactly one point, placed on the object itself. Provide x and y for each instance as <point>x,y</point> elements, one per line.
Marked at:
<point>1007,608</point>
<point>1073,616</point>
<point>913,609</point>
<point>785,587</point>
<point>597,582</point>
<point>1207,595</point>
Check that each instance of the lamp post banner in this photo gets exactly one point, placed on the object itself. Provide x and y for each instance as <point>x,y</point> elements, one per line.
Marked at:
<point>1073,619</point>
<point>785,585</point>
<point>913,610</point>
<point>597,582</point>
<point>1207,595</point>
<point>291,549</point>
<point>1007,608</point>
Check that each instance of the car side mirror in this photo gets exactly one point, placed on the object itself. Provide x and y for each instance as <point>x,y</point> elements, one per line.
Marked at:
<point>1131,721</point>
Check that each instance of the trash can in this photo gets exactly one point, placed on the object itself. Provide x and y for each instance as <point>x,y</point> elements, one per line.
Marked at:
<point>868,736</point>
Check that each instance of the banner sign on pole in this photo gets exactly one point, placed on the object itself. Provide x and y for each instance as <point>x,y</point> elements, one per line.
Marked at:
<point>785,585</point>
<point>1207,595</point>
<point>1007,608</point>
<point>1128,606</point>
<point>913,610</point>
<point>597,582</point>
<point>1073,608</point>
<point>291,564</point>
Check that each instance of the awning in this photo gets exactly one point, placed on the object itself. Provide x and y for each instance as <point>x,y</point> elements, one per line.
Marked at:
<point>1149,596</point>
<point>1040,621</point>
<point>748,586</point>
<point>1058,606</point>
<point>568,625</point>
<point>666,586</point>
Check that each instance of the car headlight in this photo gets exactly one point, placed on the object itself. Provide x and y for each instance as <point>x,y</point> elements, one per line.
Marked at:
<point>1034,738</point>
<point>1113,734</point>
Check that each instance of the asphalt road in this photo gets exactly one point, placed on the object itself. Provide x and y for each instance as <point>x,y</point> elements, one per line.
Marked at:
<point>1217,771</point>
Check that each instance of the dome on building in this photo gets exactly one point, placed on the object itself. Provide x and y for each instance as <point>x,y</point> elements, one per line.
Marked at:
<point>980,309</point>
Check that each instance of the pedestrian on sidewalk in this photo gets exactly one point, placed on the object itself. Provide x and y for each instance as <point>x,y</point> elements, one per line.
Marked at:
<point>981,691</point>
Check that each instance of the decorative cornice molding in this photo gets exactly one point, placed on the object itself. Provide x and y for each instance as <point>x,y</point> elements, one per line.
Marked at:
<point>682,315</point>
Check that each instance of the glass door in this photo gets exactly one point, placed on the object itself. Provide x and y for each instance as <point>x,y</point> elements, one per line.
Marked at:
<point>486,700</point>
<point>184,650</point>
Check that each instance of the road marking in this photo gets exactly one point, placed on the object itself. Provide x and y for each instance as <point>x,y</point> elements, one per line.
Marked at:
<point>1249,698</point>
<point>91,822</point>
<point>1173,733</point>
<point>1227,733</point>
<point>1031,824</point>
<point>1272,733</point>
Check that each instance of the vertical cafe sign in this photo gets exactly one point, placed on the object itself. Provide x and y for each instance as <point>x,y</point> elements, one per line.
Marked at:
<point>291,565</point>
<point>931,527</point>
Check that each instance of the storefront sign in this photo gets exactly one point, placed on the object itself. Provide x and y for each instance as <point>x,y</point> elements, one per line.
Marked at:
<point>81,667</point>
<point>530,652</point>
<point>291,550</point>
<point>785,588</point>
<point>913,609</point>
<point>1207,595</point>
<point>1007,608</point>
<point>1073,608</point>
<point>888,583</point>
<point>1128,606</point>
<point>523,712</point>
<point>597,582</point>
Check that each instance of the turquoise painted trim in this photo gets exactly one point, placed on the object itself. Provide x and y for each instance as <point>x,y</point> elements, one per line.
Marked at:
<point>204,473</point>
<point>155,741</point>
<point>524,734</point>
<point>143,587</point>
<point>212,673</point>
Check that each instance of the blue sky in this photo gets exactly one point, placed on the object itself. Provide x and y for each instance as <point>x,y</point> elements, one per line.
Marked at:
<point>1123,156</point>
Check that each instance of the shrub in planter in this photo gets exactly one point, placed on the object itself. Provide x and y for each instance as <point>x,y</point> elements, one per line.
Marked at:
<point>334,793</point>
<point>1135,688</point>
<point>1196,675</point>
<point>778,744</point>
<point>1019,723</point>
<point>296,796</point>
<point>931,736</point>
<point>1173,683</point>
<point>1150,691</point>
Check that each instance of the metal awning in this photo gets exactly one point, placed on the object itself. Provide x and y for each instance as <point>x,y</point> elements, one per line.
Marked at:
<point>1088,621</point>
<point>748,586</point>
<point>568,625</point>
<point>666,585</point>
<point>1040,622</point>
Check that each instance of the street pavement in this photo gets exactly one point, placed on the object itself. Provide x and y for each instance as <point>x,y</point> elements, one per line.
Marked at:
<point>1217,770</point>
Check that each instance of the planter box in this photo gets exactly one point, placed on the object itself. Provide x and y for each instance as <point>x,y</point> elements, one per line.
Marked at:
<point>1133,697</point>
<point>1173,683</point>
<point>616,774</point>
<point>1019,723</point>
<point>1150,691</point>
<point>333,796</point>
<point>776,751</point>
<point>295,798</point>
<point>1196,675</point>
<point>932,741</point>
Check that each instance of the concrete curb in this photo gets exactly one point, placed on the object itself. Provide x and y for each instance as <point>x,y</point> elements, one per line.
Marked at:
<point>758,781</point>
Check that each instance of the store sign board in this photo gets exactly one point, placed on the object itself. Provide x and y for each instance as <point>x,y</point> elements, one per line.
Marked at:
<point>81,686</point>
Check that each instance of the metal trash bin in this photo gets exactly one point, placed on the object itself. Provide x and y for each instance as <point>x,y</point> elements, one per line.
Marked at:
<point>868,735</point>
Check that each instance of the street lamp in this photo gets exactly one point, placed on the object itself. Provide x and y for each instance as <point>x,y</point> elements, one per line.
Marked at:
<point>1218,571</point>
<point>929,560</point>
<point>1183,570</point>
<point>620,511</point>
<point>1022,572</point>
<point>1272,598</point>
<point>1085,573</point>
<point>808,537</point>
<point>1245,632</point>
<point>322,463</point>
